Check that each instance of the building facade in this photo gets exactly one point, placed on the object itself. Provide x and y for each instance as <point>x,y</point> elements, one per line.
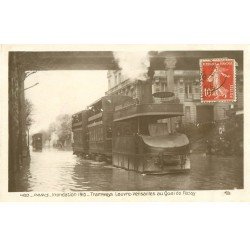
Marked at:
<point>187,90</point>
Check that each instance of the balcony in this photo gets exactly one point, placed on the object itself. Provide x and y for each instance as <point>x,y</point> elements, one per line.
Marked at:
<point>162,109</point>
<point>94,117</point>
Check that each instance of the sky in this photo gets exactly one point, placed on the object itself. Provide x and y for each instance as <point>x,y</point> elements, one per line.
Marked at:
<point>62,92</point>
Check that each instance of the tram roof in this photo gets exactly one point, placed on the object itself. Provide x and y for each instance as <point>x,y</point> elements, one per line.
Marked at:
<point>140,110</point>
<point>117,99</point>
<point>95,102</point>
<point>80,112</point>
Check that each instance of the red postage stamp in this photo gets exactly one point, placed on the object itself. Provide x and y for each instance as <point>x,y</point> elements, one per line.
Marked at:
<point>218,83</point>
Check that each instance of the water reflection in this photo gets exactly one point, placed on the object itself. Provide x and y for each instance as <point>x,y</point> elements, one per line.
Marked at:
<point>58,170</point>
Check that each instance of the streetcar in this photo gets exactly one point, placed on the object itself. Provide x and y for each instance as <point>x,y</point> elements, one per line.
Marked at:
<point>92,128</point>
<point>134,134</point>
<point>37,142</point>
<point>80,133</point>
<point>145,137</point>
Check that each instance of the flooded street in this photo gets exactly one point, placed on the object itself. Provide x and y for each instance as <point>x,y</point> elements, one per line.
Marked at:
<point>56,170</point>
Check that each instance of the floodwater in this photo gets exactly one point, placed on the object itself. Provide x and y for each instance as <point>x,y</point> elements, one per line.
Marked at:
<point>54,170</point>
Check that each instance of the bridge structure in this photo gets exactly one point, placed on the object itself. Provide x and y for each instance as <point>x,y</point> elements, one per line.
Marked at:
<point>22,62</point>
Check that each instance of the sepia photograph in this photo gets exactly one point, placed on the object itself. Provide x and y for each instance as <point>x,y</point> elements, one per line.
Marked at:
<point>125,120</point>
<point>124,125</point>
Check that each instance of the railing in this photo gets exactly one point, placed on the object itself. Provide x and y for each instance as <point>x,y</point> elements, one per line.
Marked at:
<point>118,86</point>
<point>76,124</point>
<point>95,124</point>
<point>171,109</point>
<point>94,117</point>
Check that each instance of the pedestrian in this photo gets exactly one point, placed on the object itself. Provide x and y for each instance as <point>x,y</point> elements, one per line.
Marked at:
<point>208,148</point>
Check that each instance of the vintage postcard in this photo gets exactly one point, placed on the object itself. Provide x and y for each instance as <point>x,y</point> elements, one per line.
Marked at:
<point>124,123</point>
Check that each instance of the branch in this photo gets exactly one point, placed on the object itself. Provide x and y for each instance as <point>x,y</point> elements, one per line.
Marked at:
<point>29,73</point>
<point>32,86</point>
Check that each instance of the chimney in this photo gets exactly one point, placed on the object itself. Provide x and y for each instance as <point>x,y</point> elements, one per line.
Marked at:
<point>170,65</point>
<point>144,89</point>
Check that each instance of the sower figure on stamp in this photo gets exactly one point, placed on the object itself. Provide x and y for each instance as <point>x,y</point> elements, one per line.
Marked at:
<point>219,90</point>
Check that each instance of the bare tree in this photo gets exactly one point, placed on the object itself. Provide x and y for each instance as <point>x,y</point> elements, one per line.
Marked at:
<point>28,113</point>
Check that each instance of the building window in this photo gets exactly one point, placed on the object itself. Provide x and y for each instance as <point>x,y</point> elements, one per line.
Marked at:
<point>188,90</point>
<point>181,90</point>
<point>224,113</point>
<point>188,113</point>
<point>157,88</point>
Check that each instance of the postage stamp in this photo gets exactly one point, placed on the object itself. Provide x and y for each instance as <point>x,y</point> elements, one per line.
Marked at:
<point>218,82</point>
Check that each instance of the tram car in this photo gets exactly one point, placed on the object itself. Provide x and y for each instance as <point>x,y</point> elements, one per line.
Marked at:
<point>80,133</point>
<point>92,128</point>
<point>136,134</point>
<point>145,137</point>
<point>37,142</point>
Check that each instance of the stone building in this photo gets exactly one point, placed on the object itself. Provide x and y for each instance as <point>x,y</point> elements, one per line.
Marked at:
<point>186,87</point>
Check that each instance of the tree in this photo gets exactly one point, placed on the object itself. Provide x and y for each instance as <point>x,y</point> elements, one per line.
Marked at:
<point>63,127</point>
<point>58,131</point>
<point>28,108</point>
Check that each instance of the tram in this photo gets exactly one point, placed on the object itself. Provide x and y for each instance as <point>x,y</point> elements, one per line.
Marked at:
<point>80,133</point>
<point>145,138</point>
<point>134,134</point>
<point>92,128</point>
<point>37,143</point>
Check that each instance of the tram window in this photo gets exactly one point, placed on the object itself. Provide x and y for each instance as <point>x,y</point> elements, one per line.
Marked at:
<point>144,127</point>
<point>101,133</point>
<point>157,129</point>
<point>109,132</point>
<point>162,127</point>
